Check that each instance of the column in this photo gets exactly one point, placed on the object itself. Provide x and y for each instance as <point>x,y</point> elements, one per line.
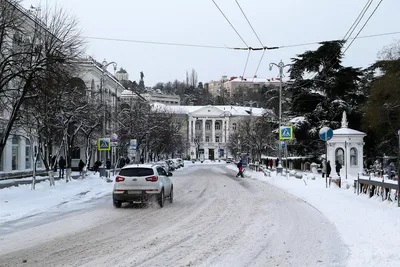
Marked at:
<point>21,154</point>
<point>190,130</point>
<point>224,129</point>
<point>7,160</point>
<point>227,130</point>
<point>213,131</point>
<point>204,130</point>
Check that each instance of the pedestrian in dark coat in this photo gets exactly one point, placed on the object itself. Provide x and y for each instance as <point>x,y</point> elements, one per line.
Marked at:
<point>127,160</point>
<point>81,165</point>
<point>240,169</point>
<point>96,166</point>
<point>271,163</point>
<point>121,162</point>
<point>108,164</point>
<point>61,164</point>
<point>338,167</point>
<point>328,168</point>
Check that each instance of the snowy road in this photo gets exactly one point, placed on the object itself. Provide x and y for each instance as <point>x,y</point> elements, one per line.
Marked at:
<point>215,220</point>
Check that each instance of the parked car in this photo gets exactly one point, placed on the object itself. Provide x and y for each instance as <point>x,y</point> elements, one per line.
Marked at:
<point>174,164</point>
<point>143,183</point>
<point>180,162</point>
<point>164,165</point>
<point>229,160</point>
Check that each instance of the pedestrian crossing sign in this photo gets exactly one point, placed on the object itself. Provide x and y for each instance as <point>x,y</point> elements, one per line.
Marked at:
<point>103,144</point>
<point>286,133</point>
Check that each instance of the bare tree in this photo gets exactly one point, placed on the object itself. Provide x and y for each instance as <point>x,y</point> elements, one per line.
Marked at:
<point>32,47</point>
<point>254,136</point>
<point>193,78</point>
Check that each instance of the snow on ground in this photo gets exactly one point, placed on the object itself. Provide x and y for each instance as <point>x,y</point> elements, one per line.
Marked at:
<point>20,202</point>
<point>369,227</point>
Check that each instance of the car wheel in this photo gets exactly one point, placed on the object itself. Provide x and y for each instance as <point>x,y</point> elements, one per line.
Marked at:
<point>171,195</point>
<point>117,204</point>
<point>161,199</point>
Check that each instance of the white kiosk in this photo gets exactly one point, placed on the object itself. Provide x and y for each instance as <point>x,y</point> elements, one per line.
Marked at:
<point>346,146</point>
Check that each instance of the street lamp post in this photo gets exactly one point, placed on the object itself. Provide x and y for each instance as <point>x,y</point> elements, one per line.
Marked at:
<point>104,66</point>
<point>280,66</point>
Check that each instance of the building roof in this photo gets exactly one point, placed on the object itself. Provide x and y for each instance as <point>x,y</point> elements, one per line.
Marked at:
<point>347,131</point>
<point>232,110</point>
<point>254,80</point>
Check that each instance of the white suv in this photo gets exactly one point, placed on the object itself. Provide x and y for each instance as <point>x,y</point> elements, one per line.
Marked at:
<point>142,183</point>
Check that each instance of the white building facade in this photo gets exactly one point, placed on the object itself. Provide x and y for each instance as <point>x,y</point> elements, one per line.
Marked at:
<point>208,128</point>
<point>158,97</point>
<point>346,147</point>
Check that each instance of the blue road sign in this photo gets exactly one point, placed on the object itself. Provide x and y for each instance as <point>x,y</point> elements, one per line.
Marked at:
<point>326,133</point>
<point>286,133</point>
<point>103,144</point>
<point>283,145</point>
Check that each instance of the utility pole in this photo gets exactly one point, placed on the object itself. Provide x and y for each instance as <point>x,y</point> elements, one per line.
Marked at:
<point>280,66</point>
<point>104,66</point>
<point>398,171</point>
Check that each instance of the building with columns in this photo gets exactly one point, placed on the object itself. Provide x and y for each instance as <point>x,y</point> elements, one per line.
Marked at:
<point>207,128</point>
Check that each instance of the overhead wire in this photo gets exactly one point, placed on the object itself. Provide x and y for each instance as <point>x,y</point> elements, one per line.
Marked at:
<point>351,30</point>
<point>247,61</point>
<point>248,21</point>
<point>366,22</point>
<point>255,33</point>
<point>358,19</point>
<point>231,48</point>
<point>233,27</point>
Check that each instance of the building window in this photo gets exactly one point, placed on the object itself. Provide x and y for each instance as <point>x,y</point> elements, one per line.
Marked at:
<point>197,139</point>
<point>76,153</point>
<point>207,139</point>
<point>353,157</point>
<point>217,138</point>
<point>339,156</point>
<point>208,126</point>
<point>28,154</point>
<point>14,156</point>
<point>217,126</point>
<point>197,125</point>
<point>234,126</point>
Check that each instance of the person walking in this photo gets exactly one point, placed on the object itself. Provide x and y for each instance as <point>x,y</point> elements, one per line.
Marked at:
<point>323,168</point>
<point>108,164</point>
<point>121,162</point>
<point>328,169</point>
<point>127,160</point>
<point>61,164</point>
<point>81,164</point>
<point>240,169</point>
<point>271,163</point>
<point>338,166</point>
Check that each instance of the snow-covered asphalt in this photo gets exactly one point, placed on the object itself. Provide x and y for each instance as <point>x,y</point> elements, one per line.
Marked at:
<point>215,220</point>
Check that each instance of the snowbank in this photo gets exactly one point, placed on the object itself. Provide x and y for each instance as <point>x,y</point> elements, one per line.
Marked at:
<point>19,202</point>
<point>369,227</point>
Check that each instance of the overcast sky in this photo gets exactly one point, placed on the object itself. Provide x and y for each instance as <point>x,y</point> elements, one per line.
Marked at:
<point>200,22</point>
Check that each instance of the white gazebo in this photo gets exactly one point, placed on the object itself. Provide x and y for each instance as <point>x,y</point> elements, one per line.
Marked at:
<point>346,146</point>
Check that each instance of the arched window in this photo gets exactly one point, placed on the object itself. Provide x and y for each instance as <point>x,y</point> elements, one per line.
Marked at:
<point>339,156</point>
<point>28,156</point>
<point>217,126</point>
<point>234,126</point>
<point>208,126</point>
<point>353,156</point>
<point>15,145</point>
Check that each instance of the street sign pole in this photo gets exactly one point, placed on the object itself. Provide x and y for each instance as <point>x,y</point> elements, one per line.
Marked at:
<point>398,172</point>
<point>326,158</point>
